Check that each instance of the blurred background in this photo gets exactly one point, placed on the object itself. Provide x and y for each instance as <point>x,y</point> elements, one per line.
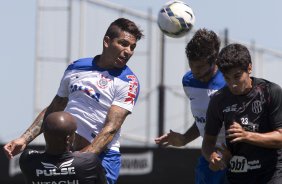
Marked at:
<point>39,38</point>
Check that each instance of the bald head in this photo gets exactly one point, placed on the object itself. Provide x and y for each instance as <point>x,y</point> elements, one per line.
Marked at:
<point>59,124</point>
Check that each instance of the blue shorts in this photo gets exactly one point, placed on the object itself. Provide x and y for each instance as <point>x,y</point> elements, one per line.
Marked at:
<point>206,176</point>
<point>111,161</point>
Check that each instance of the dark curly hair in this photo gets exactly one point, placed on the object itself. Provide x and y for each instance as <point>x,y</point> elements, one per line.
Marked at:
<point>204,45</point>
<point>123,24</point>
<point>234,56</point>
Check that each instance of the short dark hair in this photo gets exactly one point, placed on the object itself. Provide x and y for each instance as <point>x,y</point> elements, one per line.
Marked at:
<point>204,45</point>
<point>234,56</point>
<point>124,25</point>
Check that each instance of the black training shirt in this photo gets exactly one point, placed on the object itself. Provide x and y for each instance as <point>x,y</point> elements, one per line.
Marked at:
<point>76,168</point>
<point>258,111</point>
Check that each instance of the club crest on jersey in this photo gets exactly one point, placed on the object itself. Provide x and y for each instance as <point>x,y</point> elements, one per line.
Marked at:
<point>257,106</point>
<point>103,82</point>
<point>133,89</point>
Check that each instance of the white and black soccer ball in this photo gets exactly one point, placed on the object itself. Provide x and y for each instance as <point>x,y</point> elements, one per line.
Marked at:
<point>176,19</point>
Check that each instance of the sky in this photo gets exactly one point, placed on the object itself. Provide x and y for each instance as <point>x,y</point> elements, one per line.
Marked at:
<point>250,21</point>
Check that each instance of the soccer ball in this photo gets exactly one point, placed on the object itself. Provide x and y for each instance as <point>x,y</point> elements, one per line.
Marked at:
<point>176,19</point>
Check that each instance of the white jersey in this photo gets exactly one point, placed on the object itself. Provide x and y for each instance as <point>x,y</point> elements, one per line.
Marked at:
<point>199,94</point>
<point>92,90</point>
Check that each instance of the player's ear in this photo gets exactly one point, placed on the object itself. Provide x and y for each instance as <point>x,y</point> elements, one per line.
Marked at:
<point>106,41</point>
<point>68,140</point>
<point>250,68</point>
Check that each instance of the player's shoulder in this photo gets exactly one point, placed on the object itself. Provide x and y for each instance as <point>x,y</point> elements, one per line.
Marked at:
<point>86,157</point>
<point>218,79</point>
<point>29,154</point>
<point>215,83</point>
<point>188,76</point>
<point>271,88</point>
<point>189,80</point>
<point>267,83</point>
<point>127,74</point>
<point>81,64</point>
<point>221,94</point>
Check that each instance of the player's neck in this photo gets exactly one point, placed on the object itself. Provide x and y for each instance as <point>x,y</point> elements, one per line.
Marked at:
<point>210,75</point>
<point>214,70</point>
<point>56,150</point>
<point>103,62</point>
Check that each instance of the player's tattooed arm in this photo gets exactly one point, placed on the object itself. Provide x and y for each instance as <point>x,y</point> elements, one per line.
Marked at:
<point>58,104</point>
<point>114,120</point>
<point>35,129</point>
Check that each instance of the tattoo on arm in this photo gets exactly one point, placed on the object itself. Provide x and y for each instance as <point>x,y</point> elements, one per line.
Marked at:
<point>114,120</point>
<point>58,104</point>
<point>35,129</point>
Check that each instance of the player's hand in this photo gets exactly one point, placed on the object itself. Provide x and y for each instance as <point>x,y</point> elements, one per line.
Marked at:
<point>225,154</point>
<point>216,162</point>
<point>14,147</point>
<point>236,133</point>
<point>172,138</point>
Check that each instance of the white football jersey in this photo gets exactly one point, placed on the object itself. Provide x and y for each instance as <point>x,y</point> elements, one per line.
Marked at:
<point>91,92</point>
<point>199,94</point>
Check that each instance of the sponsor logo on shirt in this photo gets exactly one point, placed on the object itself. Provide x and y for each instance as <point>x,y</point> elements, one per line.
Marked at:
<point>56,182</point>
<point>231,108</point>
<point>133,89</point>
<point>239,164</point>
<point>32,151</point>
<point>211,92</point>
<point>89,91</point>
<point>52,170</point>
<point>244,120</point>
<point>200,119</point>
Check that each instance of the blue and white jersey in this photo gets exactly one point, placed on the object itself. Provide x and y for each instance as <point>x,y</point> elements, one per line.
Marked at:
<point>199,94</point>
<point>91,92</point>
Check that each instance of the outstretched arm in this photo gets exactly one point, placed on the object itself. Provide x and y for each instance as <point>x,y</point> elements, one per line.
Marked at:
<point>114,120</point>
<point>177,139</point>
<point>16,146</point>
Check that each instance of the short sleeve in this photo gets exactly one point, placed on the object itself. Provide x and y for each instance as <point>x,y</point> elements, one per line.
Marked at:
<point>214,120</point>
<point>275,107</point>
<point>63,90</point>
<point>126,93</point>
<point>25,158</point>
